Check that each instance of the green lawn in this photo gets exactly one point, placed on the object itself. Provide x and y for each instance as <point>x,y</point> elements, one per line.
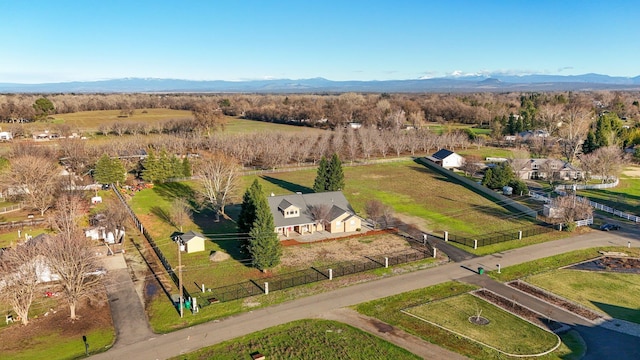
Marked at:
<point>504,332</point>
<point>488,151</point>
<point>554,262</point>
<point>624,197</point>
<point>53,346</point>
<point>389,310</point>
<point>305,339</point>
<point>615,294</point>
<point>410,189</point>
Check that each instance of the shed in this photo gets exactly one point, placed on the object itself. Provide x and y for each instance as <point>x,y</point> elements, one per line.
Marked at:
<point>193,241</point>
<point>447,159</point>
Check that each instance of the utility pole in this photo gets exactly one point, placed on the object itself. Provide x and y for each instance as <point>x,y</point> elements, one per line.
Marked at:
<point>180,274</point>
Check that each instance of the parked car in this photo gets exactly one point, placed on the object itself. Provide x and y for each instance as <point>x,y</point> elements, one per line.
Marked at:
<point>609,227</point>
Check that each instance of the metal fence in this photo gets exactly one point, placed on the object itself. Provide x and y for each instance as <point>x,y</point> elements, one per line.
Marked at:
<point>306,276</point>
<point>20,224</point>
<point>152,243</point>
<point>500,236</point>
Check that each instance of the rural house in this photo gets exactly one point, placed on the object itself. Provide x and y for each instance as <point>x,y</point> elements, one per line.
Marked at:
<point>544,168</point>
<point>447,159</point>
<point>303,214</point>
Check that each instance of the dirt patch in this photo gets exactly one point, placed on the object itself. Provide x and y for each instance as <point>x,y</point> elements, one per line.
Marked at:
<point>555,300</point>
<point>343,250</point>
<point>633,171</point>
<point>612,264</point>
<point>93,315</point>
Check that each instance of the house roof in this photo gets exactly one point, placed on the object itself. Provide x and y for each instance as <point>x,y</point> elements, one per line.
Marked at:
<point>335,199</point>
<point>190,235</point>
<point>442,154</point>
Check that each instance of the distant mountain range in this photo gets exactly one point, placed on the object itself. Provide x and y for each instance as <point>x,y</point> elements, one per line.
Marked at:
<point>494,83</point>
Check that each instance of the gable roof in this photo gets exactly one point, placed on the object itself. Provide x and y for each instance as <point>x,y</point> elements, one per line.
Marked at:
<point>190,235</point>
<point>335,199</point>
<point>442,154</point>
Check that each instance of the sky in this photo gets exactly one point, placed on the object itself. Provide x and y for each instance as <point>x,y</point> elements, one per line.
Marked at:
<point>85,40</point>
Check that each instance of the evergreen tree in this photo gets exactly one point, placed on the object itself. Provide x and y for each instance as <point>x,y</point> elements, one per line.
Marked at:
<point>186,167</point>
<point>150,167</point>
<point>264,246</point>
<point>248,211</point>
<point>176,167</point>
<point>335,175</point>
<point>109,171</point>
<point>320,183</point>
<point>589,144</point>
<point>498,177</point>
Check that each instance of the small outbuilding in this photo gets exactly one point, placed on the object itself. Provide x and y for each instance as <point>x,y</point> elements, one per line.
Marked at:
<point>447,159</point>
<point>193,241</point>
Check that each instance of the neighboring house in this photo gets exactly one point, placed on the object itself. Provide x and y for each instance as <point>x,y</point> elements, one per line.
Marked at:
<point>447,159</point>
<point>526,135</point>
<point>100,233</point>
<point>537,169</point>
<point>355,125</point>
<point>6,136</point>
<point>46,135</point>
<point>294,214</point>
<point>193,241</point>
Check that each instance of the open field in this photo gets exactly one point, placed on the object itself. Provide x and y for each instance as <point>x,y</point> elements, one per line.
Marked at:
<point>611,293</point>
<point>389,310</point>
<point>624,197</point>
<point>505,332</point>
<point>305,339</point>
<point>91,121</point>
<point>488,151</point>
<point>411,189</point>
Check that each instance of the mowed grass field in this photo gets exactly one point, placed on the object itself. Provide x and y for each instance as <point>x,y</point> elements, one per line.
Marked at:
<point>624,197</point>
<point>435,202</point>
<point>390,309</point>
<point>305,339</point>
<point>91,121</point>
<point>611,293</point>
<point>505,332</point>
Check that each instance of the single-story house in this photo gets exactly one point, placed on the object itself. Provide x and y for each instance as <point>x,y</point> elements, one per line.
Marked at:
<point>447,159</point>
<point>302,214</point>
<point>193,241</point>
<point>5,136</point>
<point>543,168</point>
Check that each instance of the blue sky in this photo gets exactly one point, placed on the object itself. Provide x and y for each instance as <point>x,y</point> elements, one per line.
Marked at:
<point>51,41</point>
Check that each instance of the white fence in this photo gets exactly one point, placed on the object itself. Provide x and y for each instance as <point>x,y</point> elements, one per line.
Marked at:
<point>585,222</point>
<point>595,205</point>
<point>559,189</point>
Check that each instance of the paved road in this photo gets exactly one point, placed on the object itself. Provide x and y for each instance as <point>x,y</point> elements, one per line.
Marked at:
<point>193,338</point>
<point>127,310</point>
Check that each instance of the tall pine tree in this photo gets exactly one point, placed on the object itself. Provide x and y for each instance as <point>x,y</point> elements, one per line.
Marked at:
<point>335,175</point>
<point>248,212</point>
<point>264,245</point>
<point>330,176</point>
<point>320,184</point>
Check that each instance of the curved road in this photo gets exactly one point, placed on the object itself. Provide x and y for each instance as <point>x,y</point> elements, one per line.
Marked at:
<point>193,338</point>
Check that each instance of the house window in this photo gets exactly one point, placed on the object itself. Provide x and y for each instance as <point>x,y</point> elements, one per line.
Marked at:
<point>338,223</point>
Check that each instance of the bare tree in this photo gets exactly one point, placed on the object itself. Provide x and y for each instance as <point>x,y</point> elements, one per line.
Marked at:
<point>69,210</point>
<point>116,218</point>
<point>374,209</point>
<point>73,259</point>
<point>19,278</point>
<point>33,179</point>
<point>471,165</point>
<point>209,116</point>
<point>573,209</point>
<point>180,213</point>
<point>219,175</point>
<point>574,127</point>
<point>609,161</point>
<point>320,214</point>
